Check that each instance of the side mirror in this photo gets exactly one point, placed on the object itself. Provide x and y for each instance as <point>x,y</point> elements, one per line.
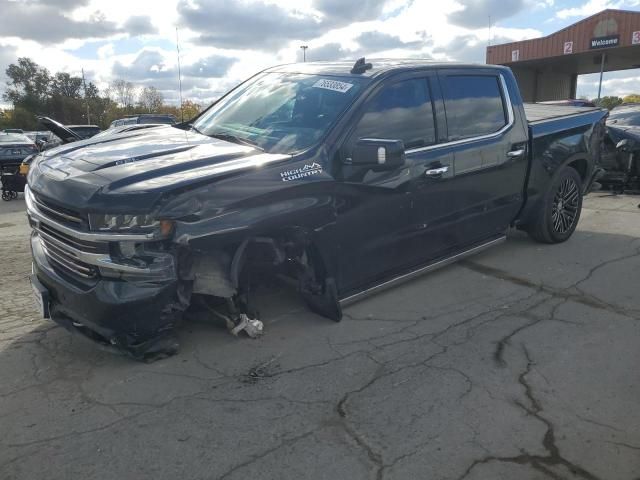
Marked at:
<point>377,153</point>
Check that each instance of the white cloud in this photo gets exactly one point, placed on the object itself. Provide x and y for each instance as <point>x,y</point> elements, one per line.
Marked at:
<point>594,6</point>
<point>618,84</point>
<point>402,28</point>
<point>106,51</point>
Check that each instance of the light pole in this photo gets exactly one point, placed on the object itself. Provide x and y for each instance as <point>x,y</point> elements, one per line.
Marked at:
<point>304,52</point>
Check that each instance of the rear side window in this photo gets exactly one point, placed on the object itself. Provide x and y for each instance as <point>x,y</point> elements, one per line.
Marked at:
<point>474,105</point>
<point>402,111</point>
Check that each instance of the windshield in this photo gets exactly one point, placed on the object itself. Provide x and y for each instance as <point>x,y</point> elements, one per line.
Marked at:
<point>280,112</point>
<point>627,117</point>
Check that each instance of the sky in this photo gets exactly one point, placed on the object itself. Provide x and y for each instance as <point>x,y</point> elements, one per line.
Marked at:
<point>222,42</point>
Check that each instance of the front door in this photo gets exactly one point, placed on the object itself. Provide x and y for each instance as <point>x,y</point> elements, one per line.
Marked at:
<point>378,238</point>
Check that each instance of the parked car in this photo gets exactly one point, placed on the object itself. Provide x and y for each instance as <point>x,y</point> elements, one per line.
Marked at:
<point>13,130</point>
<point>14,148</point>
<point>346,178</point>
<point>63,134</point>
<point>40,137</point>
<point>621,156</point>
<point>157,118</point>
<point>84,131</point>
<point>128,128</point>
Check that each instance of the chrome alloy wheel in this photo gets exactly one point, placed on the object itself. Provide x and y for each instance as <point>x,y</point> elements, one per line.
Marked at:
<point>565,206</point>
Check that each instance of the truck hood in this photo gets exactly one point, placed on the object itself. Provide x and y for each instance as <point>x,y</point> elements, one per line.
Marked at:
<point>137,168</point>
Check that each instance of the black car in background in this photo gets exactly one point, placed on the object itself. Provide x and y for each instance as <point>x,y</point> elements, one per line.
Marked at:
<point>621,156</point>
<point>14,148</point>
<point>63,134</point>
<point>84,131</point>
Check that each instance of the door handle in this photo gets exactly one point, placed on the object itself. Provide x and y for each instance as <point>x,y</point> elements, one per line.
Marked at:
<point>515,153</point>
<point>436,172</point>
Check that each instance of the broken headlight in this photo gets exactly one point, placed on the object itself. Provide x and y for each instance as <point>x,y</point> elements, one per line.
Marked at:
<point>118,223</point>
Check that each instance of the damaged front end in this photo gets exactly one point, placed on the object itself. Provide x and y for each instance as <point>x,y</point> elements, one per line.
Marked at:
<point>126,281</point>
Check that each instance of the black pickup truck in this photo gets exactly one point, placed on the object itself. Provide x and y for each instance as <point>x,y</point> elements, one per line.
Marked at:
<point>345,178</point>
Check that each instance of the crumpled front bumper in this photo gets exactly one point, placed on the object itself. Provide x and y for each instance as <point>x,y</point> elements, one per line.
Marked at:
<point>135,317</point>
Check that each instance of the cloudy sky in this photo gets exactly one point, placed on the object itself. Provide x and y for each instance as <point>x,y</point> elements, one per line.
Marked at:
<point>225,41</point>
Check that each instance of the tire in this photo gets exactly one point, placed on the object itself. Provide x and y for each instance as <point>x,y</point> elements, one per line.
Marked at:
<point>560,209</point>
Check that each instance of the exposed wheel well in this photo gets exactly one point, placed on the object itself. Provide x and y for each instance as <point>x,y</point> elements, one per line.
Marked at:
<point>580,166</point>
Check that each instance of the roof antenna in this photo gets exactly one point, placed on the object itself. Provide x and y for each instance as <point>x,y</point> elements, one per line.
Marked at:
<point>360,66</point>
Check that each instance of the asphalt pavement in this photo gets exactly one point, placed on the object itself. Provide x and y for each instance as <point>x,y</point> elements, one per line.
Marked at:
<point>522,362</point>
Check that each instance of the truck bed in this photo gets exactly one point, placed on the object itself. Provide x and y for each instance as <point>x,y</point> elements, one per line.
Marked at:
<point>538,112</point>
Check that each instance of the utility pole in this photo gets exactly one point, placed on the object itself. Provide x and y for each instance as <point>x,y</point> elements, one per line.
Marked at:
<point>86,100</point>
<point>179,75</point>
<point>604,56</point>
<point>304,52</point>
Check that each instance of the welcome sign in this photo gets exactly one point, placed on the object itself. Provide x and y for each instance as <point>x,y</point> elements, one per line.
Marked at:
<point>605,42</point>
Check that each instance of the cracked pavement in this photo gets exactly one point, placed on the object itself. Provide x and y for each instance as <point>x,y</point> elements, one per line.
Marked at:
<point>521,362</point>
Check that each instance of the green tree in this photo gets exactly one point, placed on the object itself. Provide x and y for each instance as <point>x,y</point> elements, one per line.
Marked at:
<point>608,102</point>
<point>28,85</point>
<point>633,98</point>
<point>65,85</point>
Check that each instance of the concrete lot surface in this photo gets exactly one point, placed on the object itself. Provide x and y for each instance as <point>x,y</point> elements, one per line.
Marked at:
<point>520,363</point>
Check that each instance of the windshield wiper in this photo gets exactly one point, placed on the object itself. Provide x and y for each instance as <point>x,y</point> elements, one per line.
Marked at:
<point>232,138</point>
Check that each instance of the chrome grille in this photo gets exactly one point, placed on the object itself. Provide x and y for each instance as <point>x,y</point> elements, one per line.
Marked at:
<point>66,241</point>
<point>57,213</point>
<point>64,254</point>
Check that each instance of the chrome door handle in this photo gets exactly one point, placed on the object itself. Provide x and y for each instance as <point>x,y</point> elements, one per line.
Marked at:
<point>515,153</point>
<point>436,172</point>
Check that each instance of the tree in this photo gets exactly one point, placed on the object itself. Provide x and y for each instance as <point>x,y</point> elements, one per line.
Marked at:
<point>65,85</point>
<point>609,102</point>
<point>190,109</point>
<point>633,98</point>
<point>28,85</point>
<point>123,93</point>
<point>150,99</point>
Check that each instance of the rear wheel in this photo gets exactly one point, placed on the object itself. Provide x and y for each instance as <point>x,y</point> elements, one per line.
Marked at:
<point>559,210</point>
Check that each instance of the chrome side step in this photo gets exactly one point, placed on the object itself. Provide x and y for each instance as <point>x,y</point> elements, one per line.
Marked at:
<point>420,271</point>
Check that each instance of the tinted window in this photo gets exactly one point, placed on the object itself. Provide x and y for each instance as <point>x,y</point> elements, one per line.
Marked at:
<point>402,111</point>
<point>474,105</point>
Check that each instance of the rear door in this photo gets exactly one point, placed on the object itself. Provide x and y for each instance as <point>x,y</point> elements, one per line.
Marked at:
<point>488,140</point>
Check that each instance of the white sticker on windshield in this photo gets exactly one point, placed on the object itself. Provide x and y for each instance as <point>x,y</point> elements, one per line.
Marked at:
<point>333,85</point>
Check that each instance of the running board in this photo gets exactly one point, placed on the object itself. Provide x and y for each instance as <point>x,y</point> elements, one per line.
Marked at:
<point>416,273</point>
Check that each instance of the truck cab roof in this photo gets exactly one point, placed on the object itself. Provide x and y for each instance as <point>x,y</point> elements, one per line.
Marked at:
<point>379,66</point>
